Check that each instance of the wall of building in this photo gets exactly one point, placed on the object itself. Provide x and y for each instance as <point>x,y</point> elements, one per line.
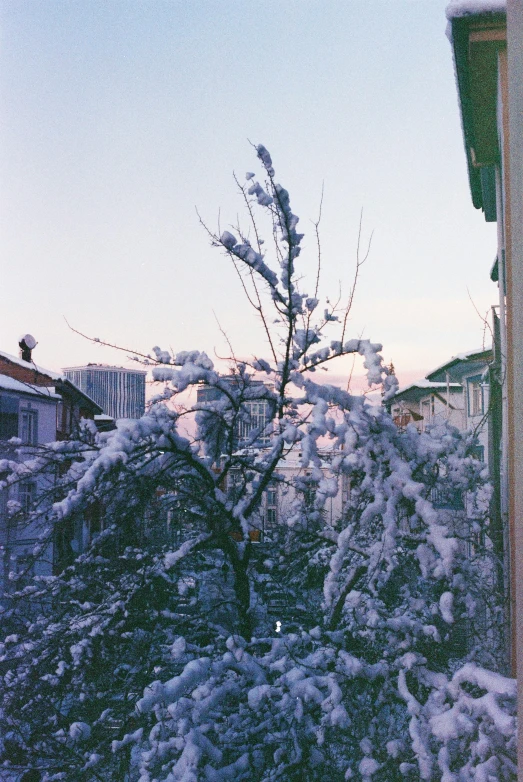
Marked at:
<point>25,374</point>
<point>17,540</point>
<point>430,410</point>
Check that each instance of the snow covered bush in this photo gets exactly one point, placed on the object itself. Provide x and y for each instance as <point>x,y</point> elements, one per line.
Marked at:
<point>159,655</point>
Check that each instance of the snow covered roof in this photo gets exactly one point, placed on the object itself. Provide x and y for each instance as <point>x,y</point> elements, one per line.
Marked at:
<point>470,356</point>
<point>425,385</point>
<point>10,384</point>
<point>458,8</point>
<point>30,365</point>
<point>56,377</point>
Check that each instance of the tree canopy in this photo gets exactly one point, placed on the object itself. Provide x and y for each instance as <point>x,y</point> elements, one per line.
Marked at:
<point>158,653</point>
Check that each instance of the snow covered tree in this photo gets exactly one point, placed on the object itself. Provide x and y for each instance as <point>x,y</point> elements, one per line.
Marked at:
<point>155,655</point>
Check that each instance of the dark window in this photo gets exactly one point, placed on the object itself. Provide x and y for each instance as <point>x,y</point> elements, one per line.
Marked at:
<point>309,497</point>
<point>478,452</point>
<point>8,417</point>
<point>272,517</point>
<point>272,497</point>
<point>60,417</point>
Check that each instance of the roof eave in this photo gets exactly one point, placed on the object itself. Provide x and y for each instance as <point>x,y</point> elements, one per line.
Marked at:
<point>480,357</point>
<point>461,27</point>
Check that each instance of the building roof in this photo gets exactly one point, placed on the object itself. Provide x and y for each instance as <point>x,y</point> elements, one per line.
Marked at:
<point>470,357</point>
<point>10,384</point>
<point>459,8</point>
<point>477,31</point>
<point>60,382</point>
<point>421,387</point>
<point>31,365</point>
<point>105,368</point>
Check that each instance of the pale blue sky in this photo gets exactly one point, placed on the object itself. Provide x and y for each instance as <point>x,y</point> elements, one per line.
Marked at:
<point>119,117</point>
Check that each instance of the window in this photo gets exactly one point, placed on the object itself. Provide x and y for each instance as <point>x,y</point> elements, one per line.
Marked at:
<point>8,417</point>
<point>427,411</point>
<point>256,418</point>
<point>27,495</point>
<point>272,494</point>
<point>478,452</point>
<point>271,500</point>
<point>309,497</point>
<point>60,417</point>
<point>345,489</point>
<point>475,395</point>
<point>29,426</point>
<point>272,517</point>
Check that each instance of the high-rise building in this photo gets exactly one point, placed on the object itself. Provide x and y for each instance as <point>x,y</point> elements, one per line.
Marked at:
<point>120,392</point>
<point>254,425</point>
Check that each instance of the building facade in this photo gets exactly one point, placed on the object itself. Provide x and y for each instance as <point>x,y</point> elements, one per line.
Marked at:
<point>253,423</point>
<point>37,406</point>
<point>27,420</point>
<point>119,391</point>
<point>461,392</point>
<point>487,44</point>
<point>73,404</point>
<point>425,403</point>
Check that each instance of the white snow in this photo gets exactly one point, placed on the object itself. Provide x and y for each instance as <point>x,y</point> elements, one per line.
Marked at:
<point>468,355</point>
<point>459,8</point>
<point>79,731</point>
<point>426,384</point>
<point>10,384</point>
<point>31,366</point>
<point>446,603</point>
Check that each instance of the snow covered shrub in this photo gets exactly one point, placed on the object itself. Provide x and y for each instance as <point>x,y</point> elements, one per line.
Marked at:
<point>161,654</point>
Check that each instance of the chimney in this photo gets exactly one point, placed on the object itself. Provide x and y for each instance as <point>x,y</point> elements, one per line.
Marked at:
<point>27,344</point>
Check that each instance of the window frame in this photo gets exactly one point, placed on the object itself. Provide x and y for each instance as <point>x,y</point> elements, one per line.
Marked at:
<point>474,384</point>
<point>26,494</point>
<point>28,415</point>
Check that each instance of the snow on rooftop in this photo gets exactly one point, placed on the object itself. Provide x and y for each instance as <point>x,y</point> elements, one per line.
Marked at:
<point>467,356</point>
<point>10,384</point>
<point>30,365</point>
<point>426,384</point>
<point>56,376</point>
<point>459,8</point>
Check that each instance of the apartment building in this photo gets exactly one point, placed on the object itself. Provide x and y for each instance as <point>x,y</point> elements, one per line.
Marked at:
<point>119,391</point>
<point>37,406</point>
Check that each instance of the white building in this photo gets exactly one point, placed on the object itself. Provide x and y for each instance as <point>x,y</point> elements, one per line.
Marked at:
<point>291,483</point>
<point>27,420</point>
<point>37,406</point>
<point>253,427</point>
<point>457,392</point>
<point>471,371</point>
<point>425,403</point>
<point>119,391</point>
